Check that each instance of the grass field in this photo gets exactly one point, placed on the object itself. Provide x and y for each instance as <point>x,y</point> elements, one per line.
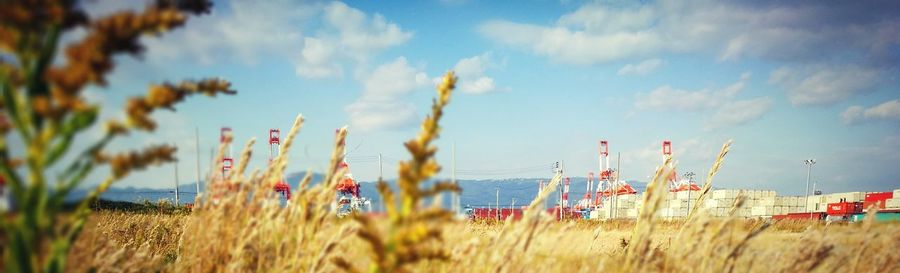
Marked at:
<point>142,242</point>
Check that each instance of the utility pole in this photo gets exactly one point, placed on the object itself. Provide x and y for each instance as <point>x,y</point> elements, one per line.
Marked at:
<point>380,168</point>
<point>455,199</point>
<point>616,188</point>
<point>176,184</point>
<point>558,192</point>
<point>809,163</point>
<point>690,176</point>
<point>197,145</point>
<point>498,203</point>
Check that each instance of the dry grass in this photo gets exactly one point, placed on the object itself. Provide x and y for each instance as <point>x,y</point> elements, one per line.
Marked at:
<point>134,242</point>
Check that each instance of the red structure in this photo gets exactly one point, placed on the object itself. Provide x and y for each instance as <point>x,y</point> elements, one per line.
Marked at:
<point>667,152</point>
<point>590,186</point>
<point>494,213</point>
<point>622,187</point>
<point>567,213</point>
<point>844,208</point>
<point>275,150</point>
<point>877,199</point>
<point>685,186</point>
<point>347,185</point>
<point>605,171</point>
<point>225,134</point>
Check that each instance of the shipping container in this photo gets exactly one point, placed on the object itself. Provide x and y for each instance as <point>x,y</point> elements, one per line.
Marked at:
<point>893,203</point>
<point>881,216</point>
<point>844,208</point>
<point>877,199</point>
<point>493,213</point>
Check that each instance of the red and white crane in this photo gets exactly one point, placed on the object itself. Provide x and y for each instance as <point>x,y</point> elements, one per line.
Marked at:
<point>606,177</point>
<point>274,151</point>
<point>225,134</point>
<point>675,184</point>
<point>349,198</point>
<point>587,201</point>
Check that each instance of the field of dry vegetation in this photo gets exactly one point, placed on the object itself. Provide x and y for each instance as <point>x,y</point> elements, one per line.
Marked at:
<point>135,242</point>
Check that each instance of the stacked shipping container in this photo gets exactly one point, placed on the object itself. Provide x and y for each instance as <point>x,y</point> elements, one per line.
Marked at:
<point>759,204</point>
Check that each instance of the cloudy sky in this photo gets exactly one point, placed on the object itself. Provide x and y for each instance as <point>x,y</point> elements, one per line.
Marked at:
<point>542,81</point>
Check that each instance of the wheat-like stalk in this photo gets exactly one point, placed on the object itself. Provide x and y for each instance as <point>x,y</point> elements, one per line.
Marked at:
<point>709,178</point>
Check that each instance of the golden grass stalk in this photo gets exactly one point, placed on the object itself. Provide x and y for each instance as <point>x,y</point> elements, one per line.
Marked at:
<point>704,192</point>
<point>413,234</point>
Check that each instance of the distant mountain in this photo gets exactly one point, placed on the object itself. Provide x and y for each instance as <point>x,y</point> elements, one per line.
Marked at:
<point>476,193</point>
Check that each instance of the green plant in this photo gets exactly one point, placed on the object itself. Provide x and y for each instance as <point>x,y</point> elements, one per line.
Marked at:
<point>44,104</point>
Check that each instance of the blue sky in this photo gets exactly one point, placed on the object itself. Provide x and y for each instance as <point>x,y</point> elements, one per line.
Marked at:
<point>540,81</point>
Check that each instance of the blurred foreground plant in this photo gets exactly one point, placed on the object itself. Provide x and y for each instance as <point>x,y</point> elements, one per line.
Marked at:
<point>43,102</point>
<point>413,233</point>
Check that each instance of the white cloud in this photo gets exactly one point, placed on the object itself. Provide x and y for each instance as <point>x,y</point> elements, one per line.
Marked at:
<point>889,110</point>
<point>356,38</point>
<point>392,80</point>
<point>642,68</point>
<point>471,73</point>
<point>571,46</point>
<point>667,98</point>
<point>599,32</point>
<point>728,110</point>
<point>369,115</point>
<point>381,105</point>
<point>247,31</point>
<point>739,112</point>
<point>317,60</point>
<point>824,85</point>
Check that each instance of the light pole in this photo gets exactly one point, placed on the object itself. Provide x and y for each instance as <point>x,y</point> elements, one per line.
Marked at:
<point>690,176</point>
<point>809,163</point>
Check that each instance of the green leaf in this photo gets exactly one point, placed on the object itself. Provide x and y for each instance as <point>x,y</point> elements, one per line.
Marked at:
<point>79,122</point>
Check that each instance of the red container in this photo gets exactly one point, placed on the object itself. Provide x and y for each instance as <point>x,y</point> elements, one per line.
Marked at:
<point>844,208</point>
<point>568,213</point>
<point>493,213</point>
<point>877,199</point>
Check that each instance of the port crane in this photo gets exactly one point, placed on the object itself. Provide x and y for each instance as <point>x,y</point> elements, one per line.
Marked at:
<point>676,184</point>
<point>613,186</point>
<point>274,151</point>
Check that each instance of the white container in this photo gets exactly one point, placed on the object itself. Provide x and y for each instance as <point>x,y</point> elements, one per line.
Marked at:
<point>721,194</point>
<point>595,214</point>
<point>780,201</point>
<point>678,204</point>
<point>761,211</point>
<point>893,203</point>
<point>833,198</point>
<point>766,201</point>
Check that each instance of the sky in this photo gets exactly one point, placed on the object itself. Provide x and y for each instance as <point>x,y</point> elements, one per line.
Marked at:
<point>539,82</point>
